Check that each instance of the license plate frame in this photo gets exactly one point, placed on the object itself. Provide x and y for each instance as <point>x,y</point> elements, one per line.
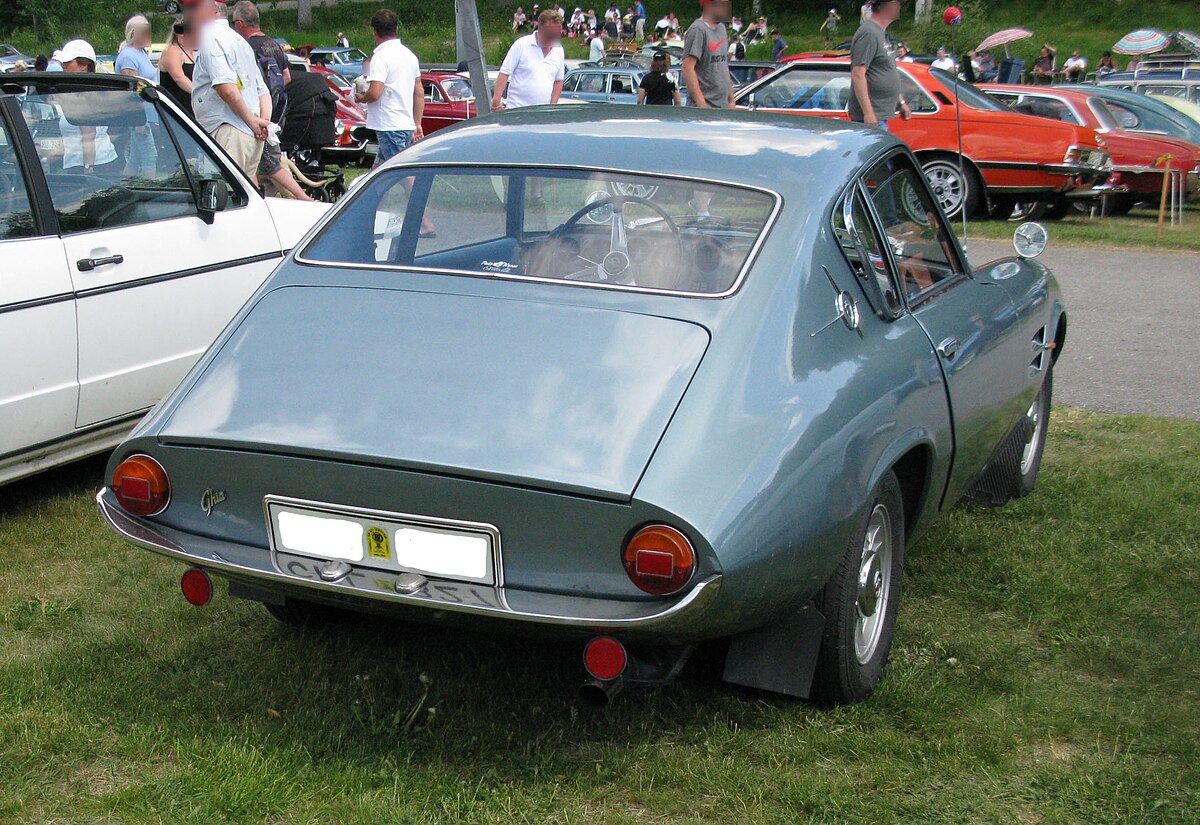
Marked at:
<point>390,541</point>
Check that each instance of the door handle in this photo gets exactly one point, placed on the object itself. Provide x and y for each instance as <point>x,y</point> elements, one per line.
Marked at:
<point>88,264</point>
<point>948,349</point>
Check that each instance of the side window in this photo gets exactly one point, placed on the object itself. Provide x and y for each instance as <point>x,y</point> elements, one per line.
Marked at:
<point>863,248</point>
<point>913,225</point>
<point>432,95</point>
<point>570,83</point>
<point>16,218</point>
<point>807,89</point>
<point>200,162</point>
<point>915,96</point>
<point>592,83</point>
<point>622,84</point>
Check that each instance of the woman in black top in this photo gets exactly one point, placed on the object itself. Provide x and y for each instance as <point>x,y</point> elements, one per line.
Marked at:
<point>657,88</point>
<point>176,65</point>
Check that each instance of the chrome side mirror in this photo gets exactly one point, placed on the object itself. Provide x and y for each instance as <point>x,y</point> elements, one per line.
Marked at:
<point>752,102</point>
<point>1030,240</point>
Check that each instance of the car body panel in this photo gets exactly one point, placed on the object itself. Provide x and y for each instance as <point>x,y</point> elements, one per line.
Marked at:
<point>786,424</point>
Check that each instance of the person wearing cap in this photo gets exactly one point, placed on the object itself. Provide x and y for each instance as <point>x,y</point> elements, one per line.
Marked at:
<point>88,147</point>
<point>706,58</point>
<point>830,26</point>
<point>944,61</point>
<point>532,71</point>
<point>230,99</point>
<point>657,88</point>
<point>874,76</point>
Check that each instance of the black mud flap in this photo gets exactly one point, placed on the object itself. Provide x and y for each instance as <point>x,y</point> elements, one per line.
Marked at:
<point>781,657</point>
<point>1000,481</point>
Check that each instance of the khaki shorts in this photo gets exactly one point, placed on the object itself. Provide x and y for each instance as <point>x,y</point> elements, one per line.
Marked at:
<point>246,150</point>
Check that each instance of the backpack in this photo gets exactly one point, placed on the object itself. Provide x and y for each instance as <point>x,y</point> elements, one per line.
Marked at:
<point>272,74</point>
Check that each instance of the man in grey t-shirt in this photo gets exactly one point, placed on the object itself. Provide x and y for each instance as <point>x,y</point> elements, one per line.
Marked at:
<point>706,58</point>
<point>874,76</point>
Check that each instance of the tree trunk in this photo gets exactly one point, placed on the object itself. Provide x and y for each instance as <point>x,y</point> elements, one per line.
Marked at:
<point>924,9</point>
<point>304,14</point>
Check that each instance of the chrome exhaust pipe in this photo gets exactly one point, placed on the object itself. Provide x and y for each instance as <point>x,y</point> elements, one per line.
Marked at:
<point>596,695</point>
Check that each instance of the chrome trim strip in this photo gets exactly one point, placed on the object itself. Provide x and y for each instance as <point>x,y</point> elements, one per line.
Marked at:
<point>663,620</point>
<point>343,204</point>
<point>327,508</point>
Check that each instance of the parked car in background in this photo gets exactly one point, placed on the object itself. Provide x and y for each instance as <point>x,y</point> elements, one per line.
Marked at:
<point>1005,154</point>
<point>1137,158</point>
<point>745,72</point>
<point>448,100</point>
<point>609,84</point>
<point>11,56</point>
<point>1186,108</point>
<point>113,286</point>
<point>606,415</point>
<point>355,143</point>
<point>1146,113</point>
<point>348,62</point>
<point>1174,75</point>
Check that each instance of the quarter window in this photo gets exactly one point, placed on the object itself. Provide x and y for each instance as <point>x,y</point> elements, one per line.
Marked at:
<point>16,218</point>
<point>915,230</point>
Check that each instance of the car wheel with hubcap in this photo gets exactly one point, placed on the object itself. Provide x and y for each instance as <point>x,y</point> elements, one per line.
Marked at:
<point>953,188</point>
<point>860,602</point>
<point>1038,422</point>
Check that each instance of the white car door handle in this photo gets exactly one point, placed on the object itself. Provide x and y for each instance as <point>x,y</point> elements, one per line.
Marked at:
<point>88,264</point>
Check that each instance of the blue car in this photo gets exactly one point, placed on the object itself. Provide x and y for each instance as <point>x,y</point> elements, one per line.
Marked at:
<point>609,84</point>
<point>496,386</point>
<point>348,62</point>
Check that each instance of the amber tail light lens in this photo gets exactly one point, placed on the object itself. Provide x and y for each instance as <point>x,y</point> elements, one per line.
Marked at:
<point>141,486</point>
<point>659,559</point>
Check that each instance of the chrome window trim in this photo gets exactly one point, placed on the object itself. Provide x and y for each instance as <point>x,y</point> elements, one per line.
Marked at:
<point>768,225</point>
<point>329,508</point>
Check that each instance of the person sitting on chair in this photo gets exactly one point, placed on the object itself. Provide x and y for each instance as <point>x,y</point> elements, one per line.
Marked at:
<point>1044,68</point>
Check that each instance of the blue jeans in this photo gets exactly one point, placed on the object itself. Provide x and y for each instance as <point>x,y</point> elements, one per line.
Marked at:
<point>391,144</point>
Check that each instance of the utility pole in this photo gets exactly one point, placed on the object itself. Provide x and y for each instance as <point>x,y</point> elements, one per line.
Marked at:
<point>304,13</point>
<point>924,11</point>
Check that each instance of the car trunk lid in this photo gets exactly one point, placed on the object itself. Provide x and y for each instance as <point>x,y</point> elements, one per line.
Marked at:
<point>539,394</point>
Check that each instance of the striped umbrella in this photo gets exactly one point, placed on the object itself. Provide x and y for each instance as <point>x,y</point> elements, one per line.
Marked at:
<point>1189,40</point>
<point>1142,41</point>
<point>1003,38</point>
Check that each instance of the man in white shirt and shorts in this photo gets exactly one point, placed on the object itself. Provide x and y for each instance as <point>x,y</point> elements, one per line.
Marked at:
<point>394,95</point>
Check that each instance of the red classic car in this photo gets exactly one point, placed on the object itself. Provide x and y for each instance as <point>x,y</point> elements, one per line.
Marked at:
<point>354,142</point>
<point>448,100</point>
<point>1007,155</point>
<point>1138,158</point>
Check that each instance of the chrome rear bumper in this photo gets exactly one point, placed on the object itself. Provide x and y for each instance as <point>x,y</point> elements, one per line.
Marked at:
<point>258,567</point>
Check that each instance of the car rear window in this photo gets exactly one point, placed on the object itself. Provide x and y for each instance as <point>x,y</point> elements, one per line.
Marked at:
<point>574,226</point>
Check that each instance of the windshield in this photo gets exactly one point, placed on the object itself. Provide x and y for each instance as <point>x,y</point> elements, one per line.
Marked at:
<point>457,89</point>
<point>967,93</point>
<point>594,228</point>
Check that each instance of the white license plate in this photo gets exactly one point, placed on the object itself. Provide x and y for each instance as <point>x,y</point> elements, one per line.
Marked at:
<point>440,548</point>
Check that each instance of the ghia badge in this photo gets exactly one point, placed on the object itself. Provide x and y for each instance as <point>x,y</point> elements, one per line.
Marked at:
<point>211,499</point>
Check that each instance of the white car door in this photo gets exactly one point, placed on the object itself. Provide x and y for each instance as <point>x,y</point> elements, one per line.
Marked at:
<point>154,279</point>
<point>38,386</point>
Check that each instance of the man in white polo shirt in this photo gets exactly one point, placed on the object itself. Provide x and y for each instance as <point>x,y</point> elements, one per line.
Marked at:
<point>394,95</point>
<point>532,71</point>
<point>230,99</point>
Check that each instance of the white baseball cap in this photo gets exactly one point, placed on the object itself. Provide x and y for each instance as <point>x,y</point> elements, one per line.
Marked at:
<point>75,49</point>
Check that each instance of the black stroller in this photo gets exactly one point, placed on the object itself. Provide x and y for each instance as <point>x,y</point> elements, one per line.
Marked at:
<point>307,128</point>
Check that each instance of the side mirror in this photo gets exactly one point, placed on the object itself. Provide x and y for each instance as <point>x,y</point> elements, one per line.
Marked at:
<point>214,197</point>
<point>752,102</point>
<point>1030,240</point>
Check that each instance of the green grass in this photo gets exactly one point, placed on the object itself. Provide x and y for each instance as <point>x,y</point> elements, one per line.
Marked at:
<point>1045,671</point>
<point>1137,229</point>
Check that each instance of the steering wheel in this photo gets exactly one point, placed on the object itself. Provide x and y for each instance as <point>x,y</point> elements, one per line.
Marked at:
<point>616,265</point>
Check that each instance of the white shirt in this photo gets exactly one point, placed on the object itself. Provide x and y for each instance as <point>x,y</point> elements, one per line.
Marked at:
<point>946,63</point>
<point>224,57</point>
<point>1075,63</point>
<point>531,73</point>
<point>395,66</point>
<point>612,14</point>
<point>596,50</point>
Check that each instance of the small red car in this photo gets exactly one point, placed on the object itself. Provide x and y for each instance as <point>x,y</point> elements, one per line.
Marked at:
<point>448,100</point>
<point>1138,158</point>
<point>1007,156</point>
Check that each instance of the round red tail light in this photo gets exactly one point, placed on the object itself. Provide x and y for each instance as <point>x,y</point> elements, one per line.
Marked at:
<point>141,486</point>
<point>659,559</point>
<point>197,587</point>
<point>604,658</point>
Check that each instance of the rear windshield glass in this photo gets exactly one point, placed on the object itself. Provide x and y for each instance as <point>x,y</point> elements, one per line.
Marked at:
<point>596,228</point>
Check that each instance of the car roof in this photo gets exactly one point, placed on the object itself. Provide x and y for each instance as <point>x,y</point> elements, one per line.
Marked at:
<point>796,156</point>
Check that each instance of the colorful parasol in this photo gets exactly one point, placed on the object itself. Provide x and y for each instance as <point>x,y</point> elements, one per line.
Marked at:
<point>1189,40</point>
<point>1003,38</point>
<point>1142,41</point>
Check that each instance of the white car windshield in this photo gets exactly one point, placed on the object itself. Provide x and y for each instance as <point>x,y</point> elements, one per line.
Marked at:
<point>596,228</point>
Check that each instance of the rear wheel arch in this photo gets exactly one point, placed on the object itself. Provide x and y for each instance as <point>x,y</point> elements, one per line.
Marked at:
<point>912,471</point>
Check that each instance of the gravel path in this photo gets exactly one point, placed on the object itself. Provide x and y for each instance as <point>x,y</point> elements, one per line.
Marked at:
<point>1133,335</point>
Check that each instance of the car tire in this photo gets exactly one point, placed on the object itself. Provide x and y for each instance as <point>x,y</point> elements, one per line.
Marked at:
<point>171,7</point>
<point>306,615</point>
<point>860,602</point>
<point>1038,415</point>
<point>954,189</point>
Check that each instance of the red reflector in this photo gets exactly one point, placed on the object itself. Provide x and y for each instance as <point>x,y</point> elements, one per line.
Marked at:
<point>135,489</point>
<point>604,658</point>
<point>654,563</point>
<point>196,586</point>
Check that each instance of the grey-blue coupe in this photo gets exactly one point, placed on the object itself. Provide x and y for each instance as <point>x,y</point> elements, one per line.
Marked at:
<point>647,377</point>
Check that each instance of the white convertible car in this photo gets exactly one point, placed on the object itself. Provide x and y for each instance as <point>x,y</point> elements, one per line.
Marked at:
<point>127,242</point>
